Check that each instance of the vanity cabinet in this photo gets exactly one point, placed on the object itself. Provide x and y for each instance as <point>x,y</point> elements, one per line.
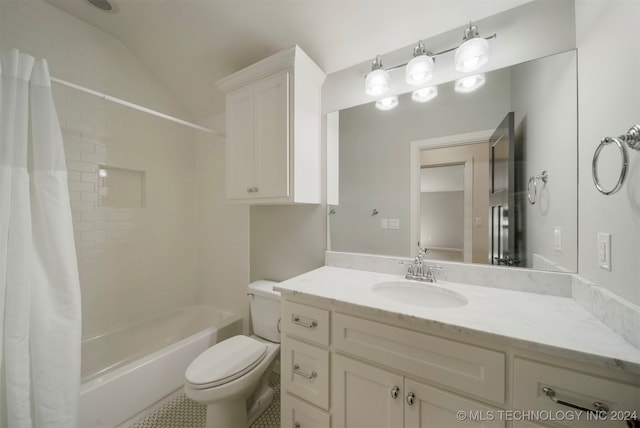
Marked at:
<point>273,120</point>
<point>535,383</point>
<point>340,368</point>
<point>305,369</point>
<point>367,396</point>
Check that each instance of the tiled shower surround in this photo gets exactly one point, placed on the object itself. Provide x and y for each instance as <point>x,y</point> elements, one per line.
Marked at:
<point>134,260</point>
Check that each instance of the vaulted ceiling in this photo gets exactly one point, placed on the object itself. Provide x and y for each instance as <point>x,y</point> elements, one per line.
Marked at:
<point>189,44</point>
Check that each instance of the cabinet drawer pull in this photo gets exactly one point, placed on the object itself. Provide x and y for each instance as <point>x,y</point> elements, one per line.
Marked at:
<point>395,392</point>
<point>411,398</point>
<point>296,320</point>
<point>252,189</point>
<point>599,407</point>
<point>296,370</point>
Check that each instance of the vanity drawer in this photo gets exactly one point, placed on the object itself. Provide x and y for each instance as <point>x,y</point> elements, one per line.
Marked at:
<point>305,322</point>
<point>573,387</point>
<point>467,368</point>
<point>299,414</point>
<point>305,371</point>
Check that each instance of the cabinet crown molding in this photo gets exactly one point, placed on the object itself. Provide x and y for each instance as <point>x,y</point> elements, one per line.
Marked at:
<point>289,58</point>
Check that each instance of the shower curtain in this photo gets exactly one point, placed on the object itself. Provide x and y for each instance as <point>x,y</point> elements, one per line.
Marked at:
<point>40,317</point>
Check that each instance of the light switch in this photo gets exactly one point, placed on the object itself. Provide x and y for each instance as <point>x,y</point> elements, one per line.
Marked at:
<point>394,223</point>
<point>557,238</point>
<point>384,223</point>
<point>478,222</point>
<point>604,250</point>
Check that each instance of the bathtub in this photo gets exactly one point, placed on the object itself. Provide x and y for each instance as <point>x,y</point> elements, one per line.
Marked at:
<point>128,370</point>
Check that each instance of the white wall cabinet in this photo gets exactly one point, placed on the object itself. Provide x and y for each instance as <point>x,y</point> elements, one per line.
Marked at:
<point>344,370</point>
<point>273,118</point>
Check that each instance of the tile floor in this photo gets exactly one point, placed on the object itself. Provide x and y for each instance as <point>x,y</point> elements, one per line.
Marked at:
<point>181,412</point>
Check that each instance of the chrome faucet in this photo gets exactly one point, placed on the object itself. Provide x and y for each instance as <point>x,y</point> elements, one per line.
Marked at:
<point>419,270</point>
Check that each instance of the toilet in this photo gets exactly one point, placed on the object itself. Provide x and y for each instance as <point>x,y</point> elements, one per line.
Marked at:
<point>231,377</point>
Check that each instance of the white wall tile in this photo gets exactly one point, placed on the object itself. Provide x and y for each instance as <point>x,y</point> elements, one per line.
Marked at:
<point>132,262</point>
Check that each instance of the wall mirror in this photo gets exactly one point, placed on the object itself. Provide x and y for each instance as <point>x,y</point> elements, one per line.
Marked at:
<point>483,177</point>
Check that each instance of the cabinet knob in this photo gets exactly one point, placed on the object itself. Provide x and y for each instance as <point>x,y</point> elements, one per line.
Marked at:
<point>297,425</point>
<point>411,397</point>
<point>395,392</point>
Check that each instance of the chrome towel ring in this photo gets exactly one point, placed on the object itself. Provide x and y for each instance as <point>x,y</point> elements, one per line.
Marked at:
<point>544,177</point>
<point>631,139</point>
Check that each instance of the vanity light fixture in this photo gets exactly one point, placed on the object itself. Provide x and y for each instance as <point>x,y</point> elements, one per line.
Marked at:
<point>423,95</point>
<point>469,83</point>
<point>420,69</point>
<point>377,81</point>
<point>387,103</point>
<point>471,55</point>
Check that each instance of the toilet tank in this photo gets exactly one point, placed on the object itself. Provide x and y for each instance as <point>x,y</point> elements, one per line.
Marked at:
<point>265,310</point>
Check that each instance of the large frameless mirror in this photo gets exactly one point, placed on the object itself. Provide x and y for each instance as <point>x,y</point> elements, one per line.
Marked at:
<point>486,177</point>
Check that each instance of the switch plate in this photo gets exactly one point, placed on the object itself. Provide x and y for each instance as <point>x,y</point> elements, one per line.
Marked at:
<point>557,238</point>
<point>604,250</point>
<point>478,221</point>
<point>384,223</point>
<point>394,223</point>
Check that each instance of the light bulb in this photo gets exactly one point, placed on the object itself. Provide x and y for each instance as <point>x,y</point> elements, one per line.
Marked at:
<point>471,55</point>
<point>469,83</point>
<point>377,82</point>
<point>419,70</point>
<point>423,95</point>
<point>387,103</point>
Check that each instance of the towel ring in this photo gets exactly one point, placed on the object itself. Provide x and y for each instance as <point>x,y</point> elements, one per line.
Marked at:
<point>632,139</point>
<point>544,176</point>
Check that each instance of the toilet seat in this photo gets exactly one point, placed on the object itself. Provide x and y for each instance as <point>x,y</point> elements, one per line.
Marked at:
<point>225,361</point>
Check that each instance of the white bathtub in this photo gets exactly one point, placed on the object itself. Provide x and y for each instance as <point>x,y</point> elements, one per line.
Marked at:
<point>128,370</point>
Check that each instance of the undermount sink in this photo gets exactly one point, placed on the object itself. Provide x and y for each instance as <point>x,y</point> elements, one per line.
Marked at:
<point>419,294</point>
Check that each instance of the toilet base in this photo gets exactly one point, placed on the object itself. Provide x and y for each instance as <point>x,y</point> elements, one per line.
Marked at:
<point>227,414</point>
<point>260,405</point>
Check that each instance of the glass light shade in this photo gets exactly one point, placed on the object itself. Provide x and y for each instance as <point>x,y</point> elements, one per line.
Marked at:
<point>469,83</point>
<point>419,70</point>
<point>377,82</point>
<point>387,103</point>
<point>472,54</point>
<point>423,95</point>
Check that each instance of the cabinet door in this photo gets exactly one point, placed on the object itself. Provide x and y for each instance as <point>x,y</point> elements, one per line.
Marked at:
<point>432,407</point>
<point>363,395</point>
<point>272,136</point>
<point>240,143</point>
<point>298,414</point>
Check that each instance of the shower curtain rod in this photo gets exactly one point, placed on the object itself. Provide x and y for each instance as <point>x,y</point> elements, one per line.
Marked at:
<point>134,106</point>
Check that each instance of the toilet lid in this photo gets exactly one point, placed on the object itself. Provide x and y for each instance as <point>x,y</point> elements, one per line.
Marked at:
<point>225,361</point>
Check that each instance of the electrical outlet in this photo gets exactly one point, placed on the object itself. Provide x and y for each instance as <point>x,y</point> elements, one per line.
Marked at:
<point>394,223</point>
<point>557,238</point>
<point>604,250</point>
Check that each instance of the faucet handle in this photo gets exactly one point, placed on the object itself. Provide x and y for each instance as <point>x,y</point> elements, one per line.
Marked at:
<point>429,275</point>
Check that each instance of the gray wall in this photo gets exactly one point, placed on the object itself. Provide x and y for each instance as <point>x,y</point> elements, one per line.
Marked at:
<point>608,39</point>
<point>543,97</point>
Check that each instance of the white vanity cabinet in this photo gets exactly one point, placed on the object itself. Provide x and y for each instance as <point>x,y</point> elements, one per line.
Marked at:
<point>305,369</point>
<point>273,120</point>
<point>367,396</point>
<point>340,368</point>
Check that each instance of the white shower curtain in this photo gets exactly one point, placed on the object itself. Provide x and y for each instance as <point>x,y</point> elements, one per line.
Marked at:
<point>40,317</point>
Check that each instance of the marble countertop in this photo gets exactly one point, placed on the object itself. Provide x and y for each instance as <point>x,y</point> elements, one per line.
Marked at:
<point>538,322</point>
